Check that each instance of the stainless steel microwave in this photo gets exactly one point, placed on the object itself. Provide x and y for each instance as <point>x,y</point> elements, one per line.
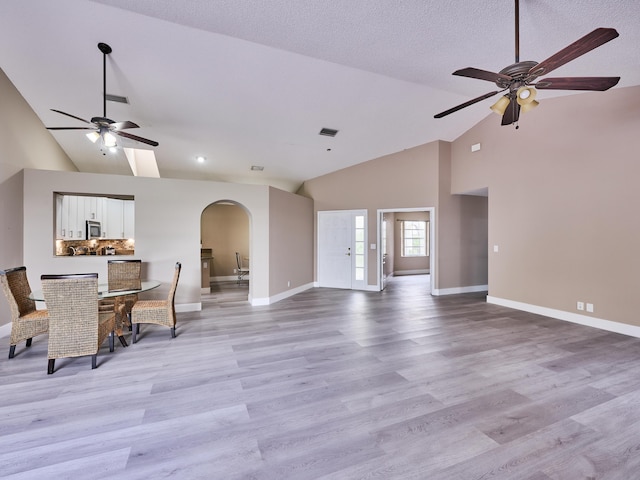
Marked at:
<point>94,230</point>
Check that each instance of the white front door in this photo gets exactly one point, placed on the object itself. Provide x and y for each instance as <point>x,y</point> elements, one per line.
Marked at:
<point>341,249</point>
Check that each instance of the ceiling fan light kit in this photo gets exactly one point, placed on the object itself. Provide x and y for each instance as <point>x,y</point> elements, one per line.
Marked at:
<point>501,105</point>
<point>102,127</point>
<point>520,79</point>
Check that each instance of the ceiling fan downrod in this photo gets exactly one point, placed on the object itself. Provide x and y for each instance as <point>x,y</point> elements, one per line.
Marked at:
<point>106,50</point>
<point>517,31</point>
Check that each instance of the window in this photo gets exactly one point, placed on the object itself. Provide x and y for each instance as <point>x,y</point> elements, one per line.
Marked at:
<point>415,241</point>
<point>359,246</point>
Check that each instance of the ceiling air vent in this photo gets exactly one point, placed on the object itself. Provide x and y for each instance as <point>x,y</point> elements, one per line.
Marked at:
<point>328,132</point>
<point>116,98</point>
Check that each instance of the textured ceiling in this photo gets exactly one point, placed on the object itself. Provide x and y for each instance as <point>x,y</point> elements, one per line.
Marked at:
<point>252,82</point>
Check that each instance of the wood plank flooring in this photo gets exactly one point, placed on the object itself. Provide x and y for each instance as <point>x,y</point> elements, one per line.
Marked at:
<point>332,384</point>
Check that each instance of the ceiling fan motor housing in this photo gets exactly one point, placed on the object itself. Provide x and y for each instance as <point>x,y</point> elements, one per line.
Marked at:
<point>519,73</point>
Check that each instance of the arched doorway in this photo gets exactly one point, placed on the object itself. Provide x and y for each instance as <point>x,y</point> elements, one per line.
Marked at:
<point>225,228</point>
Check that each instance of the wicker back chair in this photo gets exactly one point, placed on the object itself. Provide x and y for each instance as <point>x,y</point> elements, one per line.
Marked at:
<point>76,328</point>
<point>160,312</point>
<point>122,275</point>
<point>27,322</point>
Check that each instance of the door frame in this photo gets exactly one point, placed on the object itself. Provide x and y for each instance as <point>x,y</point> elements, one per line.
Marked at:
<point>432,242</point>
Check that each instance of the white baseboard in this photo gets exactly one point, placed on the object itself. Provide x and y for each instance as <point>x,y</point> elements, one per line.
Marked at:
<point>5,330</point>
<point>189,307</point>
<point>455,290</point>
<point>398,273</point>
<point>280,296</point>
<point>228,278</point>
<point>600,323</point>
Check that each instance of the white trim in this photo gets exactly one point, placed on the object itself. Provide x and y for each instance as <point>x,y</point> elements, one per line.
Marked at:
<point>399,273</point>
<point>432,242</point>
<point>457,290</point>
<point>227,278</point>
<point>189,307</point>
<point>600,323</point>
<point>257,302</point>
<point>5,330</point>
<point>205,290</point>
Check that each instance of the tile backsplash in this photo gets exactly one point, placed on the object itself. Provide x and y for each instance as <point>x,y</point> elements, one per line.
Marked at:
<point>94,247</point>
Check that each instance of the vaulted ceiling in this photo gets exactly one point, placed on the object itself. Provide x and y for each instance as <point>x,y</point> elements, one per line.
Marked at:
<point>246,83</point>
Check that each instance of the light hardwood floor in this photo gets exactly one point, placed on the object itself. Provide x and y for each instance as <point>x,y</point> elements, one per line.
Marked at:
<point>332,384</point>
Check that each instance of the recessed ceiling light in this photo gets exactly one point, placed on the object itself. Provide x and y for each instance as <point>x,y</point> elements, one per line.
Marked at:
<point>200,159</point>
<point>257,168</point>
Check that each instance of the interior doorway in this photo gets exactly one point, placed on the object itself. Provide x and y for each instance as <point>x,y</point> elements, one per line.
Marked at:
<point>225,230</point>
<point>395,258</point>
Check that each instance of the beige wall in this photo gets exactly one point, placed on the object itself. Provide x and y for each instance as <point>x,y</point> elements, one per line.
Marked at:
<point>291,253</point>
<point>24,142</point>
<point>225,230</point>
<point>414,178</point>
<point>563,202</point>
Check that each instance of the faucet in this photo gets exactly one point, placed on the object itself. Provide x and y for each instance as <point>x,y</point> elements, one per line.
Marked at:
<point>73,250</point>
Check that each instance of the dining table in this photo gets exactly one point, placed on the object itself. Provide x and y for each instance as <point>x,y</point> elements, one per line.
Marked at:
<point>104,292</point>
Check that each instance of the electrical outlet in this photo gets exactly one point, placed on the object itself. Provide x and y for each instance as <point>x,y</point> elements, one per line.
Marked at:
<point>590,307</point>
<point>288,283</point>
<point>235,270</point>
<point>580,306</point>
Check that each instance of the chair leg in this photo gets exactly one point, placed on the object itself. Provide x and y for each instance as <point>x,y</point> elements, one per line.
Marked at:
<point>135,329</point>
<point>52,363</point>
<point>123,341</point>
<point>29,342</point>
<point>12,351</point>
<point>111,341</point>
<point>94,361</point>
<point>173,332</point>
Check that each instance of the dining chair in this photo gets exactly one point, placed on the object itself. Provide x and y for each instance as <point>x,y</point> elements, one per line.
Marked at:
<point>76,327</point>
<point>242,272</point>
<point>159,312</point>
<point>122,275</point>
<point>26,321</point>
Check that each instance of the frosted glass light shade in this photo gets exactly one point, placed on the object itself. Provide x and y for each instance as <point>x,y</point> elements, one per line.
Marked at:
<point>526,95</point>
<point>501,105</point>
<point>93,136</point>
<point>527,107</point>
<point>109,139</point>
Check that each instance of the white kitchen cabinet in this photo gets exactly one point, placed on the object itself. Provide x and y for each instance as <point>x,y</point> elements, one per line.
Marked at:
<point>115,218</point>
<point>128,220</point>
<point>59,235</point>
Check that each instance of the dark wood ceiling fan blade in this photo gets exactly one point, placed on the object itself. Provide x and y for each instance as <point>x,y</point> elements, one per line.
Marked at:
<point>69,115</point>
<point>70,128</point>
<point>511,114</point>
<point>137,138</point>
<point>472,72</point>
<point>122,125</point>
<point>599,84</point>
<point>466,104</point>
<point>585,44</point>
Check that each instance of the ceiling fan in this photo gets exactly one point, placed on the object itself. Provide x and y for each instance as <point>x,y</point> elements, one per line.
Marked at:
<point>519,79</point>
<point>102,127</point>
